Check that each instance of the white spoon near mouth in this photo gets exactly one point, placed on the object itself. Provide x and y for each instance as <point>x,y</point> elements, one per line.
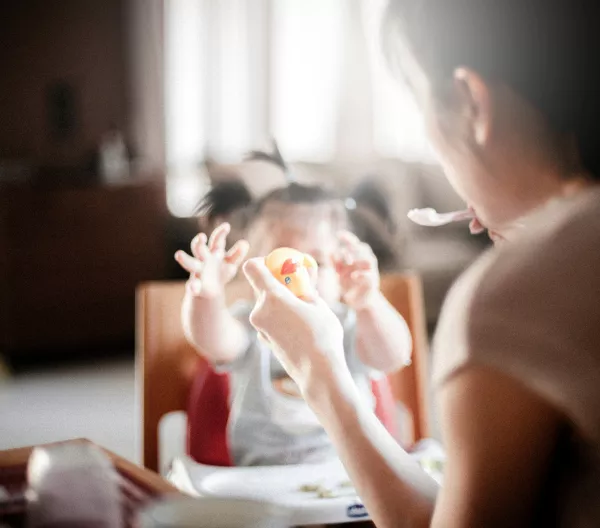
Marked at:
<point>431,218</point>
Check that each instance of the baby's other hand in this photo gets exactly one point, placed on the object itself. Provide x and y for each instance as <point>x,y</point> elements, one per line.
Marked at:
<point>210,267</point>
<point>357,267</point>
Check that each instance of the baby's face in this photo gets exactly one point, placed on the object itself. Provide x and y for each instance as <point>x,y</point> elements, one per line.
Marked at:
<point>314,235</point>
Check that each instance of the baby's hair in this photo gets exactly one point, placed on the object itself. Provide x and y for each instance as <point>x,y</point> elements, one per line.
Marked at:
<point>369,217</point>
<point>275,158</point>
<point>295,193</point>
<point>224,198</point>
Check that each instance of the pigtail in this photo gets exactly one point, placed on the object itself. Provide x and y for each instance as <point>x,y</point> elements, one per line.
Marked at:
<point>225,198</point>
<point>274,158</point>
<point>295,193</point>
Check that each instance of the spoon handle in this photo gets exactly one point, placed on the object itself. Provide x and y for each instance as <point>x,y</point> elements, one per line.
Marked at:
<point>461,215</point>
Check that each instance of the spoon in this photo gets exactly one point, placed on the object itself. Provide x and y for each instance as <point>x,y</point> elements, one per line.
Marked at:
<point>431,218</point>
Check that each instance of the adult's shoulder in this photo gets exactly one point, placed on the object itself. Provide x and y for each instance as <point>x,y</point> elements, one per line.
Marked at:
<point>529,310</point>
<point>557,253</point>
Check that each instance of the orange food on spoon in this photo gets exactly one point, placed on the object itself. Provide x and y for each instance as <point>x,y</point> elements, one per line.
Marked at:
<point>294,269</point>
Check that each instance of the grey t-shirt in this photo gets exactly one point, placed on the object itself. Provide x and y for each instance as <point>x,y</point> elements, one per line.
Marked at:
<point>270,427</point>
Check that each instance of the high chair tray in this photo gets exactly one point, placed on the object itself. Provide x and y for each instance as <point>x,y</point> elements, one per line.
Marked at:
<point>312,494</point>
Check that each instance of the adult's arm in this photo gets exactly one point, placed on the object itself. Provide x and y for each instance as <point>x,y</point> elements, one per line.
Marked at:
<point>498,434</point>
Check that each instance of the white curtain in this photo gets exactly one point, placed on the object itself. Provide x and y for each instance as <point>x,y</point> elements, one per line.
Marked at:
<point>308,72</point>
<point>398,130</point>
<point>216,89</point>
<point>354,132</point>
<point>186,91</point>
<point>307,50</point>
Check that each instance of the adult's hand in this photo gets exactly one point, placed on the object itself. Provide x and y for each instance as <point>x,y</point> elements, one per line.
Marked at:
<point>308,339</point>
<point>306,335</point>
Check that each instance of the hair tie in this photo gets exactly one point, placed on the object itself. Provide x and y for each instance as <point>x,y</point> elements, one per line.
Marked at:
<point>350,204</point>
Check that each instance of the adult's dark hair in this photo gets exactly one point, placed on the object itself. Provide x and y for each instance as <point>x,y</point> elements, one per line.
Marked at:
<point>545,50</point>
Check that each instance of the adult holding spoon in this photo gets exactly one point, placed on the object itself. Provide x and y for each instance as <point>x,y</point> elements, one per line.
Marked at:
<point>510,95</point>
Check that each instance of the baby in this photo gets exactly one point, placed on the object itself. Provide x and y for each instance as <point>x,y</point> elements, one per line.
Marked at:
<point>269,422</point>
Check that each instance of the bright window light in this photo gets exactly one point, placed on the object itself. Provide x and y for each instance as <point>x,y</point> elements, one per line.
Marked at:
<point>398,129</point>
<point>231,76</point>
<point>184,190</point>
<point>306,60</point>
<point>184,108</point>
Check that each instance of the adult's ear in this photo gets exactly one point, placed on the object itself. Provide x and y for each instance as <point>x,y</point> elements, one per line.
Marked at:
<point>474,96</point>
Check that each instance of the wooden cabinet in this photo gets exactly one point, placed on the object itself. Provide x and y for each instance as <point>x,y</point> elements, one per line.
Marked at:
<point>70,260</point>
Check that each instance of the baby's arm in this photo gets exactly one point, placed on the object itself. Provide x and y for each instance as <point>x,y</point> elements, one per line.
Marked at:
<point>383,340</point>
<point>207,322</point>
<point>212,330</point>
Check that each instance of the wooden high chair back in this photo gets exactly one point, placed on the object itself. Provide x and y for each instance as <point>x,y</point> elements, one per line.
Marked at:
<point>405,292</point>
<point>166,364</point>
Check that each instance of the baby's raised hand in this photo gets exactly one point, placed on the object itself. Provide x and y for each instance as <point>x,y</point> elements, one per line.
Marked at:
<point>209,265</point>
<point>357,267</point>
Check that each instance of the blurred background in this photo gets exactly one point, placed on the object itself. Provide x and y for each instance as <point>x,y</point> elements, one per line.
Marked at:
<point>116,116</point>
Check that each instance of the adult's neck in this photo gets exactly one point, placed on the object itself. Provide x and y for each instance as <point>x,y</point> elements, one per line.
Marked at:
<point>548,192</point>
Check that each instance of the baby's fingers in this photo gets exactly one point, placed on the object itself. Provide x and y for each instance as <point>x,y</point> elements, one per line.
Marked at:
<point>199,247</point>
<point>188,263</point>
<point>219,238</point>
<point>349,239</point>
<point>344,268</point>
<point>360,276</point>
<point>236,255</point>
<point>344,257</point>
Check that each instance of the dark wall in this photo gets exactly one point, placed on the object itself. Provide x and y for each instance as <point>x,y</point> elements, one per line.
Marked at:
<point>62,77</point>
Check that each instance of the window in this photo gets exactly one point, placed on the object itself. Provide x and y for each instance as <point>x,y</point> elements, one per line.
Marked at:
<point>307,54</point>
<point>185,115</point>
<point>398,129</point>
<point>309,73</point>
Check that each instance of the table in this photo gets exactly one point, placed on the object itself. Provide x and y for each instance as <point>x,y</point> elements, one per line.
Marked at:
<point>139,486</point>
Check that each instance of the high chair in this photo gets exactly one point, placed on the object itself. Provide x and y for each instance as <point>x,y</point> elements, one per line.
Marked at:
<point>171,376</point>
